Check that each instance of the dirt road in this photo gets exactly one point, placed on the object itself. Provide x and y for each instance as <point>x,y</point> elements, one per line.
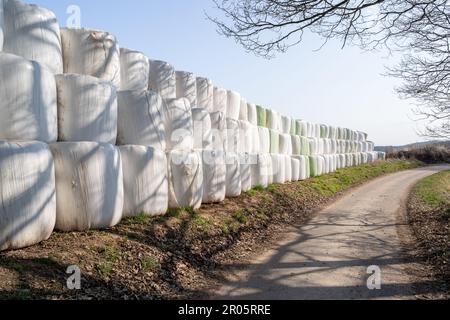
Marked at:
<point>329,257</point>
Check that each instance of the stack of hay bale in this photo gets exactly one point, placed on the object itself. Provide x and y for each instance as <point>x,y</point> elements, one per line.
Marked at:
<point>91,133</point>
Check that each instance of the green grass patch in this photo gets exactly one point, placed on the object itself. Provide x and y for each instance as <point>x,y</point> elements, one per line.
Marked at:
<point>435,190</point>
<point>150,263</point>
<point>240,217</point>
<point>141,218</point>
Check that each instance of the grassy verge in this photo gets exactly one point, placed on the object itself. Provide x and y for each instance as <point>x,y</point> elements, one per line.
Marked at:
<point>429,216</point>
<point>179,254</point>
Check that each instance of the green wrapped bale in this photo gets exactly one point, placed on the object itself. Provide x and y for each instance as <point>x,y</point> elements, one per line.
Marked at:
<point>274,142</point>
<point>261,114</point>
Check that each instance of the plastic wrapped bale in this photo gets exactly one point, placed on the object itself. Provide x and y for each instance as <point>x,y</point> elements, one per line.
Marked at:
<point>162,79</point>
<point>261,114</point>
<point>89,185</point>
<point>370,157</point>
<point>134,70</point>
<point>299,127</point>
<point>233,105</point>
<point>220,99</point>
<point>1,26</point>
<point>91,52</point>
<point>293,127</point>
<point>365,157</point>
<point>246,162</point>
<point>252,115</point>
<point>214,176</point>
<point>278,168</point>
<point>141,119</point>
<point>233,141</point>
<point>202,129</point>
<point>295,164</point>
<point>285,146</point>
<point>349,160</point>
<point>274,142</point>
<point>205,94</point>
<point>28,109</point>
<point>273,120</point>
<point>287,168</point>
<point>219,131</point>
<point>185,179</point>
<point>303,167</point>
<point>254,131</point>
<point>234,184</point>
<point>243,111</point>
<point>27,193</point>
<point>381,155</point>
<point>187,86</point>
<point>327,164</point>
<point>245,137</point>
<point>305,149</point>
<point>323,131</point>
<point>286,123</point>
<point>32,32</point>
<point>264,140</point>
<point>261,170</point>
<point>296,145</point>
<point>179,127</point>
<point>145,181</point>
<point>342,161</point>
<point>314,166</point>
<point>87,109</point>
<point>314,146</point>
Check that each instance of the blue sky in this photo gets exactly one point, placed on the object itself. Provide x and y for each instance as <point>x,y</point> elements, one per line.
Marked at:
<point>331,86</point>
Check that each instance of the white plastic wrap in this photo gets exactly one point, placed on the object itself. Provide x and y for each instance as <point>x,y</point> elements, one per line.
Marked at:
<point>91,52</point>
<point>185,179</point>
<point>234,185</point>
<point>273,120</point>
<point>296,145</point>
<point>32,32</point>
<point>252,116</point>
<point>134,70</point>
<point>254,131</point>
<point>278,168</point>
<point>286,123</point>
<point>187,86</point>
<point>233,141</point>
<point>202,129</point>
<point>89,185</point>
<point>145,181</point>
<point>87,109</point>
<point>342,161</point>
<point>243,110</point>
<point>27,194</point>
<point>303,166</point>
<point>220,100</point>
<point>179,127</point>
<point>205,94</point>
<point>287,168</point>
<point>214,176</point>
<point>246,162</point>
<point>295,165</point>
<point>233,105</point>
<point>163,79</point>
<point>246,137</point>
<point>28,108</point>
<point>219,131</point>
<point>261,170</point>
<point>141,119</point>
<point>264,140</point>
<point>285,144</point>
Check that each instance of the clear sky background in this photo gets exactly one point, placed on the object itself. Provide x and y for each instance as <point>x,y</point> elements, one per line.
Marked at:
<point>332,86</point>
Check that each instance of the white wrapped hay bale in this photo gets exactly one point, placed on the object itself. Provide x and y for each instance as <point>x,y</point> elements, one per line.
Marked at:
<point>273,120</point>
<point>91,52</point>
<point>87,109</point>
<point>186,86</point>
<point>254,131</point>
<point>144,180</point>
<point>32,32</point>
<point>220,100</point>
<point>296,145</point>
<point>246,162</point>
<point>303,167</point>
<point>287,168</point>
<point>274,142</point>
<point>252,115</point>
<point>28,108</point>
<point>214,176</point>
<point>27,193</point>
<point>243,110</point>
<point>163,79</point>
<point>219,130</point>
<point>141,119</point>
<point>234,184</point>
<point>185,179</point>
<point>179,125</point>
<point>342,161</point>
<point>327,164</point>
<point>264,140</point>
<point>245,137</point>
<point>285,146</point>
<point>261,170</point>
<point>202,129</point>
<point>286,123</point>
<point>205,94</point>
<point>134,70</point>
<point>278,168</point>
<point>295,165</point>
<point>305,149</point>
<point>89,185</point>
<point>233,141</point>
<point>233,105</point>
